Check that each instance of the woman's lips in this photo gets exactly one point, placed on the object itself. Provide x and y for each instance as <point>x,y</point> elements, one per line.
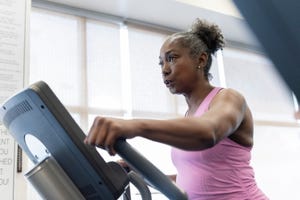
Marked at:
<point>168,83</point>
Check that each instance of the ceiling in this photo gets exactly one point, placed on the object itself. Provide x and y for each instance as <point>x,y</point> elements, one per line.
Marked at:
<point>174,14</point>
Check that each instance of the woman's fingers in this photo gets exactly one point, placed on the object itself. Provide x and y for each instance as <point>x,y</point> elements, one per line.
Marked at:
<point>102,135</point>
<point>110,140</point>
<point>101,132</point>
<point>97,133</point>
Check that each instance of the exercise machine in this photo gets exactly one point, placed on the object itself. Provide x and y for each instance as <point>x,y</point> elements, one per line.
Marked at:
<point>65,167</point>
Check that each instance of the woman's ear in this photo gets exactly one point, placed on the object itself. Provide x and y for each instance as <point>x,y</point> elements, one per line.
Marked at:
<point>203,58</point>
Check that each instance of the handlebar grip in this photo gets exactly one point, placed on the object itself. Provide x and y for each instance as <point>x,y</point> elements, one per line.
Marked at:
<point>151,173</point>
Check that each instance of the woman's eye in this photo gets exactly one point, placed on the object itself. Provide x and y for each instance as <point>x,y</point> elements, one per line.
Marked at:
<point>170,58</point>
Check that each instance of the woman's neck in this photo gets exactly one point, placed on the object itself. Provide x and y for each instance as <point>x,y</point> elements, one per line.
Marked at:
<point>196,97</point>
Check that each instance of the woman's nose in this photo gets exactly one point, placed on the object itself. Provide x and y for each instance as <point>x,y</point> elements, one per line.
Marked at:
<point>166,70</point>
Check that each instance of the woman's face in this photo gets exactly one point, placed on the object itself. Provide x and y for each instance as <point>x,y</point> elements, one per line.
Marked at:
<point>179,69</point>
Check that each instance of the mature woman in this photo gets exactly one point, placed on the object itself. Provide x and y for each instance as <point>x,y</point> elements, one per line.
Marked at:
<point>212,143</point>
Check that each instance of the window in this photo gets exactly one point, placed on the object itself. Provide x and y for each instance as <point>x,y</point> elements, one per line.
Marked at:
<point>255,77</point>
<point>104,84</point>
<point>51,37</point>
<point>149,94</point>
<point>276,150</point>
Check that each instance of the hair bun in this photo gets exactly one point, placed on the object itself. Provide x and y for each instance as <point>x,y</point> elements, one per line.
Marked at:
<point>210,34</point>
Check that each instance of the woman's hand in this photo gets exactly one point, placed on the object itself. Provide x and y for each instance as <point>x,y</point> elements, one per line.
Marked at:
<point>105,131</point>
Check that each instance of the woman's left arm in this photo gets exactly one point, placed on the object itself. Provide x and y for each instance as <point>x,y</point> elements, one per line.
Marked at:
<point>226,112</point>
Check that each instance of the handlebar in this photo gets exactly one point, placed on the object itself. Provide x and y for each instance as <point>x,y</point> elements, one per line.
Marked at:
<point>151,173</point>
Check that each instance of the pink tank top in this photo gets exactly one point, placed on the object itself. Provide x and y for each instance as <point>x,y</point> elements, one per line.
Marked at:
<point>222,172</point>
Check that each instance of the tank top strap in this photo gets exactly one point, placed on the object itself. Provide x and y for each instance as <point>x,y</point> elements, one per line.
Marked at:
<point>205,103</point>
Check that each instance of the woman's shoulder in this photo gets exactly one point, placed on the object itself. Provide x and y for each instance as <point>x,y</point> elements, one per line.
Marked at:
<point>230,94</point>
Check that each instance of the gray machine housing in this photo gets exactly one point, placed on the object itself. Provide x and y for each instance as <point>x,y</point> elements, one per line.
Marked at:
<point>44,129</point>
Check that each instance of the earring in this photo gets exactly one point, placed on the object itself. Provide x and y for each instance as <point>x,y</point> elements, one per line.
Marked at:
<point>199,67</point>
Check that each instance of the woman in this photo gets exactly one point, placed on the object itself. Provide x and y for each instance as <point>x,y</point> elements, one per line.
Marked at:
<point>212,143</point>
